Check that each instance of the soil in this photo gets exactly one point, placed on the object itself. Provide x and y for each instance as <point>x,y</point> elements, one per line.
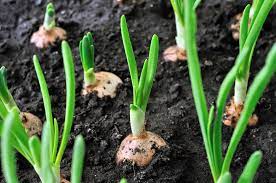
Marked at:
<point>171,113</point>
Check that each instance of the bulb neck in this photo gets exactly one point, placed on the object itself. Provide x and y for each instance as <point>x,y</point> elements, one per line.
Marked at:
<point>49,22</point>
<point>180,34</point>
<point>240,90</point>
<point>89,77</point>
<point>137,120</point>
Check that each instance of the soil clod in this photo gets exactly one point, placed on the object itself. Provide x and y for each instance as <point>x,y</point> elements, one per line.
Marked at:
<point>32,123</point>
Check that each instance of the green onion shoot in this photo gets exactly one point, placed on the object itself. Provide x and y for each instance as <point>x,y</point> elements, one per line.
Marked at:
<point>48,33</point>
<point>250,29</point>
<point>45,155</point>
<point>49,18</point>
<point>210,120</point>
<point>32,123</point>
<point>35,151</point>
<point>140,141</point>
<point>102,83</point>
<point>178,52</point>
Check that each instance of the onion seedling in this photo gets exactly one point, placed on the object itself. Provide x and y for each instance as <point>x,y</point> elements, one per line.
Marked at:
<point>48,33</point>
<point>103,83</point>
<point>37,152</point>
<point>32,123</point>
<point>45,156</point>
<point>178,52</point>
<point>137,147</point>
<point>249,32</point>
<point>210,122</point>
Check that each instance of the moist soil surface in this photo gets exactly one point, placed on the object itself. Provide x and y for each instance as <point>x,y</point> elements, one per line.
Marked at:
<point>171,112</point>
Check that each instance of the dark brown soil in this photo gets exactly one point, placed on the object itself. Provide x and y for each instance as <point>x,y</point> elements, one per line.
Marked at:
<point>171,112</point>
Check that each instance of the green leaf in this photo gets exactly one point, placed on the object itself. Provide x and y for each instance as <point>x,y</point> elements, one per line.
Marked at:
<point>196,79</point>
<point>50,10</point>
<point>244,26</point>
<point>209,127</point>
<point>1,126</point>
<point>3,110</point>
<point>20,137</point>
<point>178,8</point>
<point>78,158</point>
<point>55,146</point>
<point>90,38</point>
<point>251,167</point>
<point>255,91</point>
<point>5,94</point>
<point>142,87</point>
<point>7,154</point>
<point>47,174</point>
<point>142,80</point>
<point>225,178</point>
<point>255,3</point>
<point>70,98</point>
<point>13,141</point>
<point>46,98</point>
<point>257,6</point>
<point>196,3</point>
<point>86,48</point>
<point>35,148</point>
<point>224,91</point>
<point>87,52</point>
<point>210,134</point>
<point>130,56</point>
<point>151,70</point>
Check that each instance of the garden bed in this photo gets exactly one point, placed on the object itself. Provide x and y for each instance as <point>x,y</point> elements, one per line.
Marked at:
<point>171,112</point>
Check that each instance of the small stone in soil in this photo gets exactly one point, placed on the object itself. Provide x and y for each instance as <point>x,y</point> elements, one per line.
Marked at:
<point>174,88</point>
<point>218,77</point>
<point>103,145</point>
<point>208,63</point>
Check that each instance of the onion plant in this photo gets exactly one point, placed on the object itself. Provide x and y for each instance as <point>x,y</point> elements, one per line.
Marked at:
<point>138,146</point>
<point>48,33</point>
<point>250,29</point>
<point>210,121</point>
<point>32,124</point>
<point>37,151</point>
<point>103,83</point>
<point>45,156</point>
<point>178,52</point>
